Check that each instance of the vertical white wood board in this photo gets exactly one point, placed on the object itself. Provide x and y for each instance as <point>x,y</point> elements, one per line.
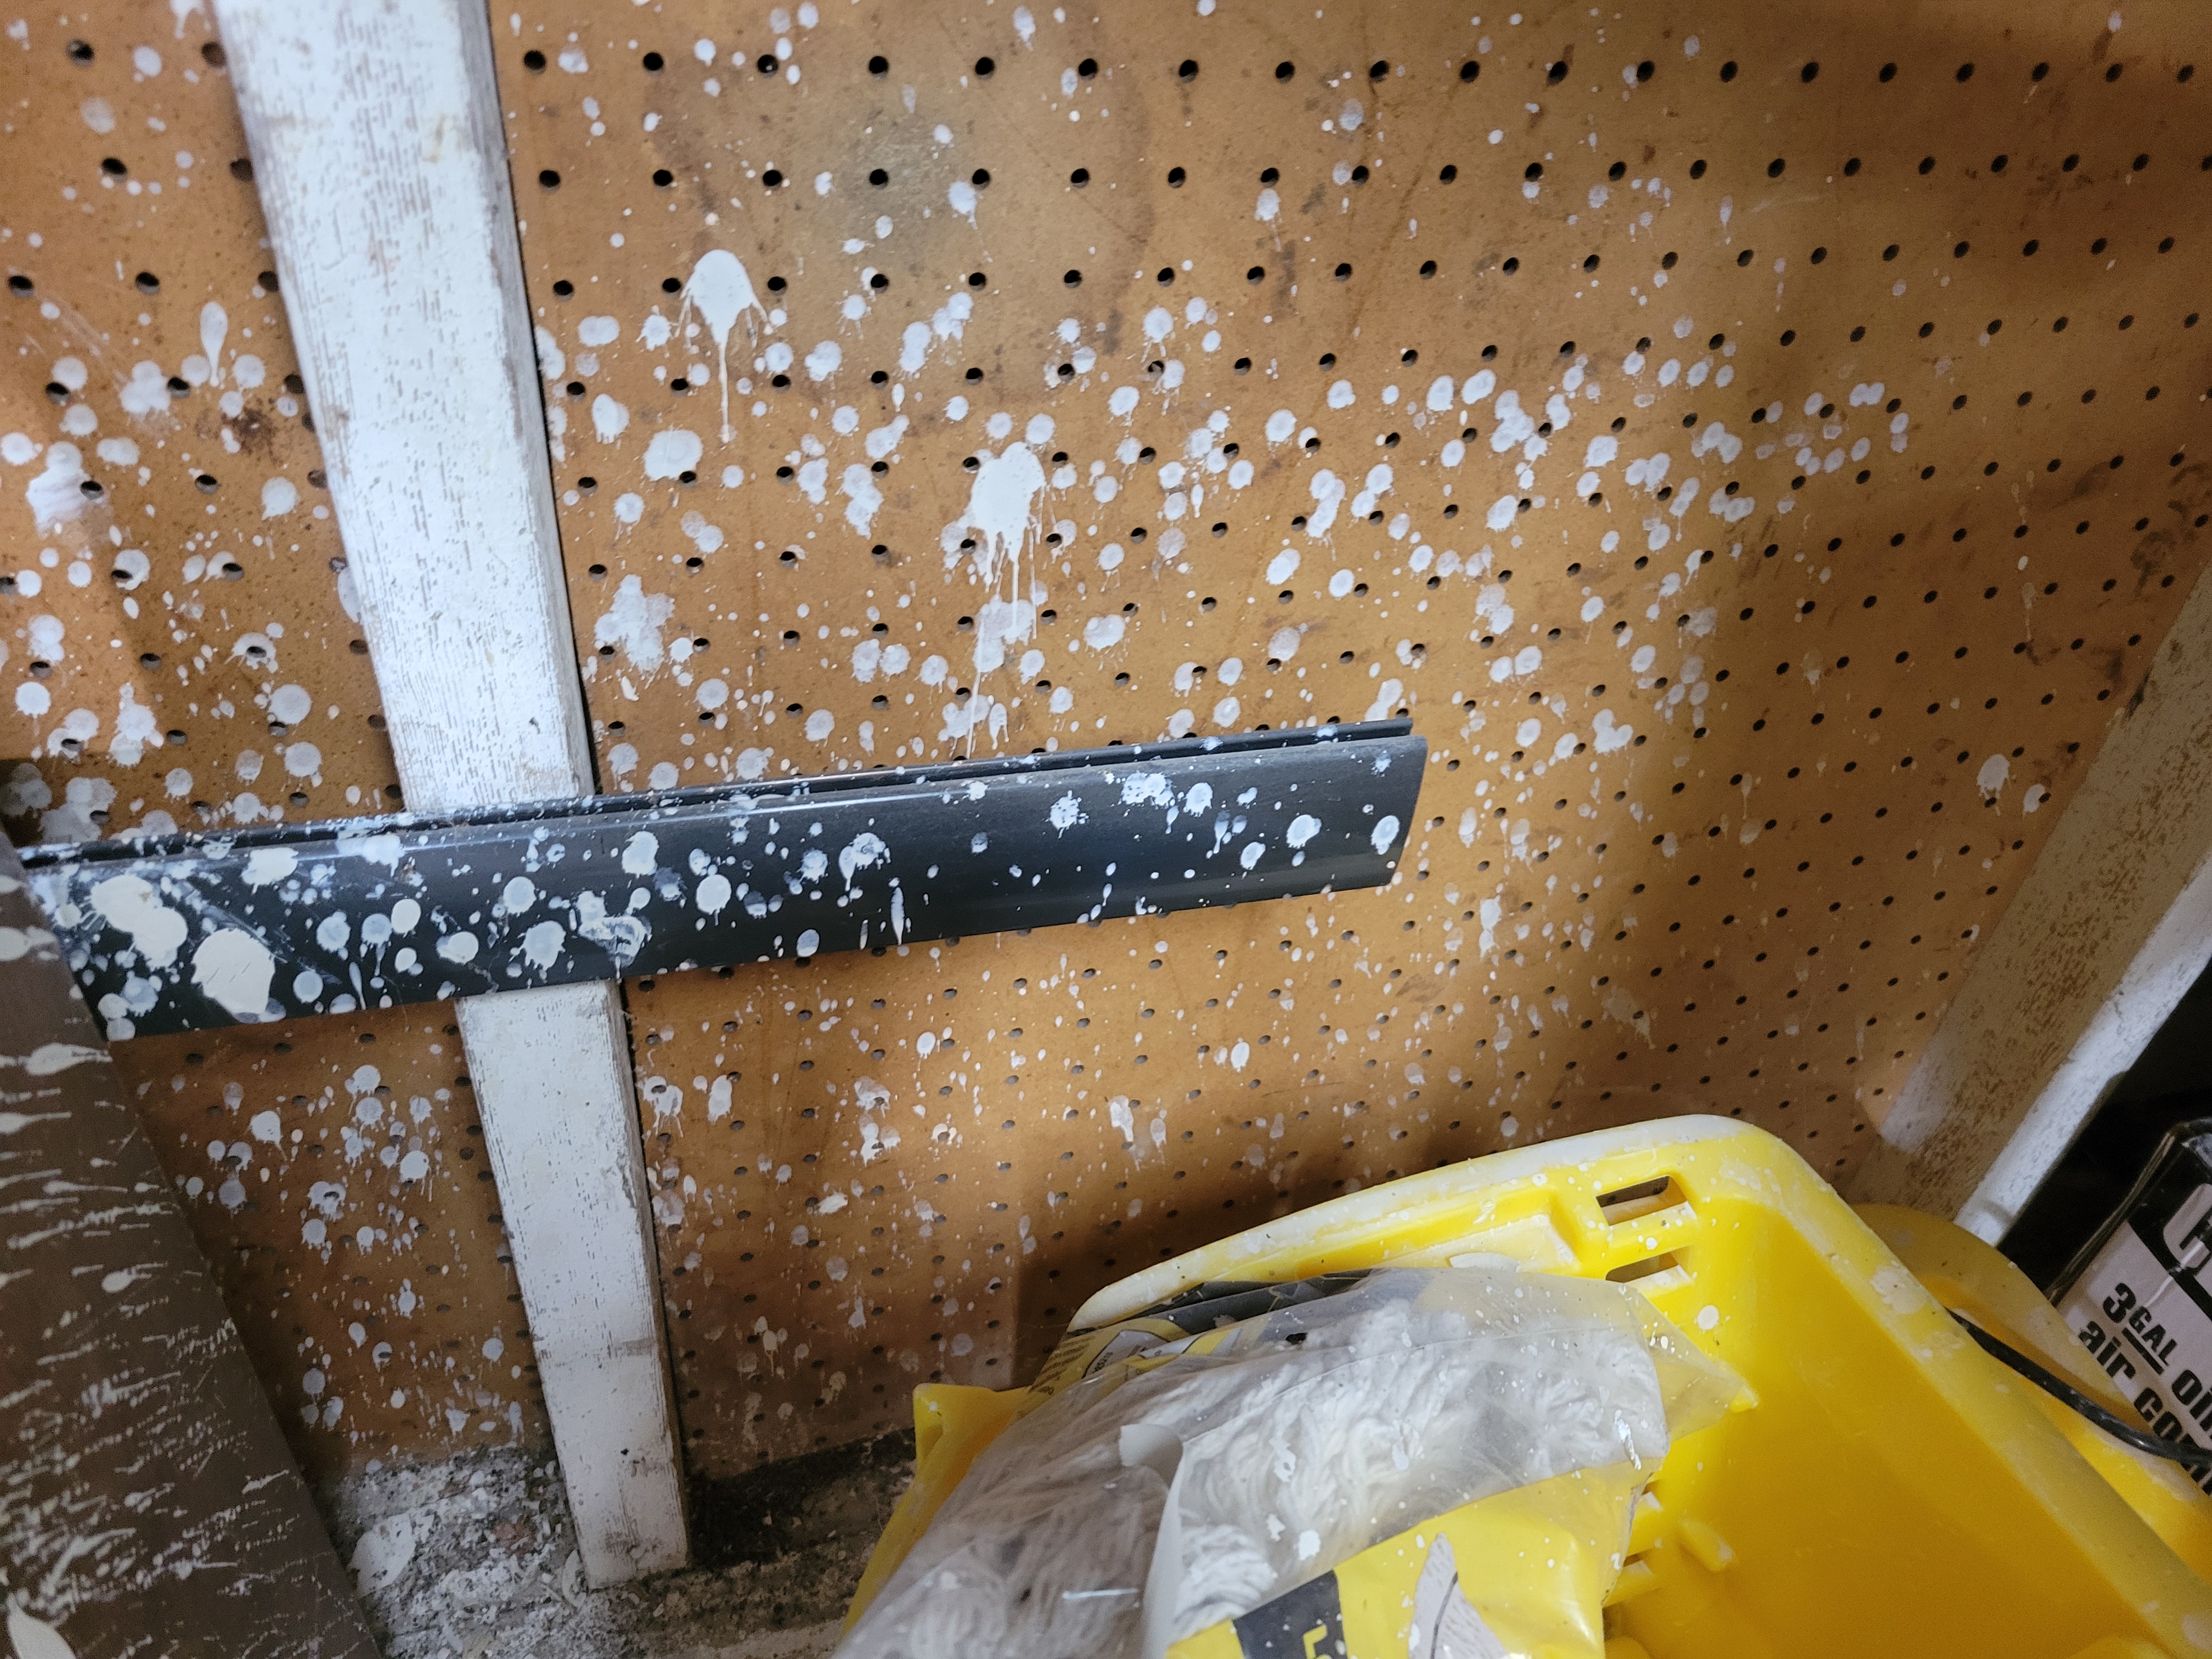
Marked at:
<point>561,1120</point>
<point>382,165</point>
<point>2110,929</point>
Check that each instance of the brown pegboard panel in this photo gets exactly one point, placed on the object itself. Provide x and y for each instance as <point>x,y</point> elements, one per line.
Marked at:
<point>174,635</point>
<point>1735,751</point>
<point>336,1175</point>
<point>172,580</point>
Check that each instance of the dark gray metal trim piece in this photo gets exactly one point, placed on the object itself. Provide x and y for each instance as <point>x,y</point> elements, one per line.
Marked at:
<point>182,932</point>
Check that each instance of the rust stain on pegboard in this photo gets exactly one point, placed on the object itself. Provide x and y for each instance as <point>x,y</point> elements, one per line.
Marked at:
<point>336,1177</point>
<point>177,647</point>
<point>1760,450</point>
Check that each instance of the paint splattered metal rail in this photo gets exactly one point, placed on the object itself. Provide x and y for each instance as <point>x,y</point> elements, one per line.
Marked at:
<point>182,932</point>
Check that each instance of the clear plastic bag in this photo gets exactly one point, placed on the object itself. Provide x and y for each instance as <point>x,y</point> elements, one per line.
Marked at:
<point>1193,1481</point>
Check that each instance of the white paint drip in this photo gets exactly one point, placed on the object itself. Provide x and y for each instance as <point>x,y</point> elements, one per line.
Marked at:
<point>722,292</point>
<point>215,328</point>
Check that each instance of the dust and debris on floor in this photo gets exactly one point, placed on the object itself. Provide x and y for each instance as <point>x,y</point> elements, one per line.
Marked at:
<point>475,1557</point>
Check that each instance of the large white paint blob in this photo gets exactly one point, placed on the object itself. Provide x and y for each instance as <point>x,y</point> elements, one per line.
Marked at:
<point>721,292</point>
<point>1002,513</point>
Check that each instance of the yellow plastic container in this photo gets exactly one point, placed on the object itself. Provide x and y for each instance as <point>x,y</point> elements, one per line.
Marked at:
<point>1893,1491</point>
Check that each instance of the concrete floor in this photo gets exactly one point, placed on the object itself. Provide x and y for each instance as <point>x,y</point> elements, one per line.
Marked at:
<point>475,1558</point>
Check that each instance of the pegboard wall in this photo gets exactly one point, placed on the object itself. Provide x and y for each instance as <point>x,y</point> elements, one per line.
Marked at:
<point>1756,447</point>
<point>1759,451</point>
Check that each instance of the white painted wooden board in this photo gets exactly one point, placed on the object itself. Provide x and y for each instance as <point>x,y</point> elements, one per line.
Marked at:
<point>382,166</point>
<point>2110,929</point>
<point>379,151</point>
<point>561,1120</point>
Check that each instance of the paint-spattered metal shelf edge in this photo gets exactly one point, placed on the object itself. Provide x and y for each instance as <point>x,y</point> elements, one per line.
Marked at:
<point>184,932</point>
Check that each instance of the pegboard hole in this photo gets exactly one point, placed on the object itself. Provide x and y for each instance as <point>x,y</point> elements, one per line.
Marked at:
<point>878,178</point>
<point>549,179</point>
<point>653,63</point>
<point>986,68</point>
<point>80,51</point>
<point>534,61</point>
<point>1080,178</point>
<point>1728,70</point>
<point>1470,70</point>
<point>1187,70</point>
<point>147,282</point>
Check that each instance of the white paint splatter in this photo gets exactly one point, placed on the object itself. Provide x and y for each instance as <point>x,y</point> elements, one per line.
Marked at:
<point>671,453</point>
<point>722,292</point>
<point>130,903</point>
<point>633,622</point>
<point>863,499</point>
<point>235,968</point>
<point>266,865</point>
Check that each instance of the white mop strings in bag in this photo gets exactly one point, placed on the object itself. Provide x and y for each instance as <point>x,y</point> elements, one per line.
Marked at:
<point>1286,1443</point>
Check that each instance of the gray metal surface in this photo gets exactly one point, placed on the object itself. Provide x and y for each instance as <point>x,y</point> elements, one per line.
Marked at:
<point>193,931</point>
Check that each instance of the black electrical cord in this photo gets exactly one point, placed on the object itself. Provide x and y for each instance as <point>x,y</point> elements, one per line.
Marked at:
<point>2189,1457</point>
